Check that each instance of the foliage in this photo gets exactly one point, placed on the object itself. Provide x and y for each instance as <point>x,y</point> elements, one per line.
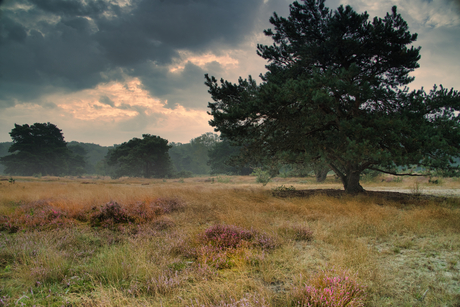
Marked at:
<point>262,176</point>
<point>220,159</point>
<point>93,154</point>
<point>331,288</point>
<point>183,174</point>
<point>35,215</point>
<point>335,92</point>
<point>230,236</point>
<point>223,246</point>
<point>40,149</point>
<point>44,215</point>
<point>193,157</point>
<point>4,146</point>
<point>147,157</point>
<point>111,213</point>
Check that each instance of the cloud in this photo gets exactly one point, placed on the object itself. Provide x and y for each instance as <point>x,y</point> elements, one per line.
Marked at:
<point>110,113</point>
<point>127,67</point>
<point>53,45</point>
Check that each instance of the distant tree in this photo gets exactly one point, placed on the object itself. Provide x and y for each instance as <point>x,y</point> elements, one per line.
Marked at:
<point>77,161</point>
<point>147,157</point>
<point>316,168</point>
<point>40,149</point>
<point>335,92</point>
<point>4,152</point>
<point>94,155</point>
<point>220,159</point>
<point>193,157</point>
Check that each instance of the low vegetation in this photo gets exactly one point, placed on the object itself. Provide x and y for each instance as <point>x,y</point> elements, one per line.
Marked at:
<point>200,242</point>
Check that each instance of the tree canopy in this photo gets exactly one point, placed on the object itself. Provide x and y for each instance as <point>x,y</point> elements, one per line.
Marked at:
<point>335,92</point>
<point>220,159</point>
<point>40,149</point>
<point>147,157</point>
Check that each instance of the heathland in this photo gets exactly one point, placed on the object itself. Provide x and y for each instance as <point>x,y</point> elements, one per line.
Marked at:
<point>227,241</point>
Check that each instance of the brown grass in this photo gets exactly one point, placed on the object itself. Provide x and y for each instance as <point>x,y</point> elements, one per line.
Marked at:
<point>398,251</point>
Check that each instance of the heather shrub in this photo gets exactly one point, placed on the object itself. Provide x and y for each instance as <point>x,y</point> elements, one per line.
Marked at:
<point>225,246</point>
<point>35,215</point>
<point>330,288</point>
<point>109,214</point>
<point>227,236</point>
<point>230,236</point>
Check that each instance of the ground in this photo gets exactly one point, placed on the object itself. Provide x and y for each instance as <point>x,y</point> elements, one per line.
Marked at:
<point>64,242</point>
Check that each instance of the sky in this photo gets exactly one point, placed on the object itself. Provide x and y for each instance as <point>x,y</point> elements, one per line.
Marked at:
<point>106,71</point>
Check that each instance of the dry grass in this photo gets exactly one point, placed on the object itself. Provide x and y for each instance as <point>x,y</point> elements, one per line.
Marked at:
<point>403,255</point>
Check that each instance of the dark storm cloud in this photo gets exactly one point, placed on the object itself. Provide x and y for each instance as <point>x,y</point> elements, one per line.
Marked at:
<point>72,7</point>
<point>50,45</point>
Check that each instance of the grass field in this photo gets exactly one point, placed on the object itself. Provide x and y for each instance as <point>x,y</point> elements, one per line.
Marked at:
<point>226,242</point>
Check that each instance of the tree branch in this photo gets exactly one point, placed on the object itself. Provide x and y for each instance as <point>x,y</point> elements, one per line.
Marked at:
<point>396,174</point>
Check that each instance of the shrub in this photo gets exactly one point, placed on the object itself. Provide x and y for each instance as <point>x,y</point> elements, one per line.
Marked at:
<point>35,215</point>
<point>227,236</point>
<point>230,236</point>
<point>109,214</point>
<point>330,288</point>
<point>223,246</point>
<point>261,176</point>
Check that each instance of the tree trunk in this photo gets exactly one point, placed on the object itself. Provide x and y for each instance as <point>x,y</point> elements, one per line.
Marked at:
<point>321,173</point>
<point>350,178</point>
<point>351,183</point>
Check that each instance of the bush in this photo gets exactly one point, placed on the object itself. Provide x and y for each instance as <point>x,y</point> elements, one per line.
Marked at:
<point>227,236</point>
<point>112,213</point>
<point>330,288</point>
<point>223,246</point>
<point>35,215</point>
<point>230,236</point>
<point>261,176</point>
<point>109,214</point>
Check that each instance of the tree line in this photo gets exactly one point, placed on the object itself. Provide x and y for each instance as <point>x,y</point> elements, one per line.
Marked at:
<point>40,149</point>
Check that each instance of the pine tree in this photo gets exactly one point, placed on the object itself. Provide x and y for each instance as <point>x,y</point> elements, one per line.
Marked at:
<point>335,92</point>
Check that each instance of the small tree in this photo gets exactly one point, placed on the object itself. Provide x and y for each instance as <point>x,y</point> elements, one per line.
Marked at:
<point>335,92</point>
<point>147,157</point>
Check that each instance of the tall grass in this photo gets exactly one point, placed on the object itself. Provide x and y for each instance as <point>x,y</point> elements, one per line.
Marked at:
<point>215,244</point>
